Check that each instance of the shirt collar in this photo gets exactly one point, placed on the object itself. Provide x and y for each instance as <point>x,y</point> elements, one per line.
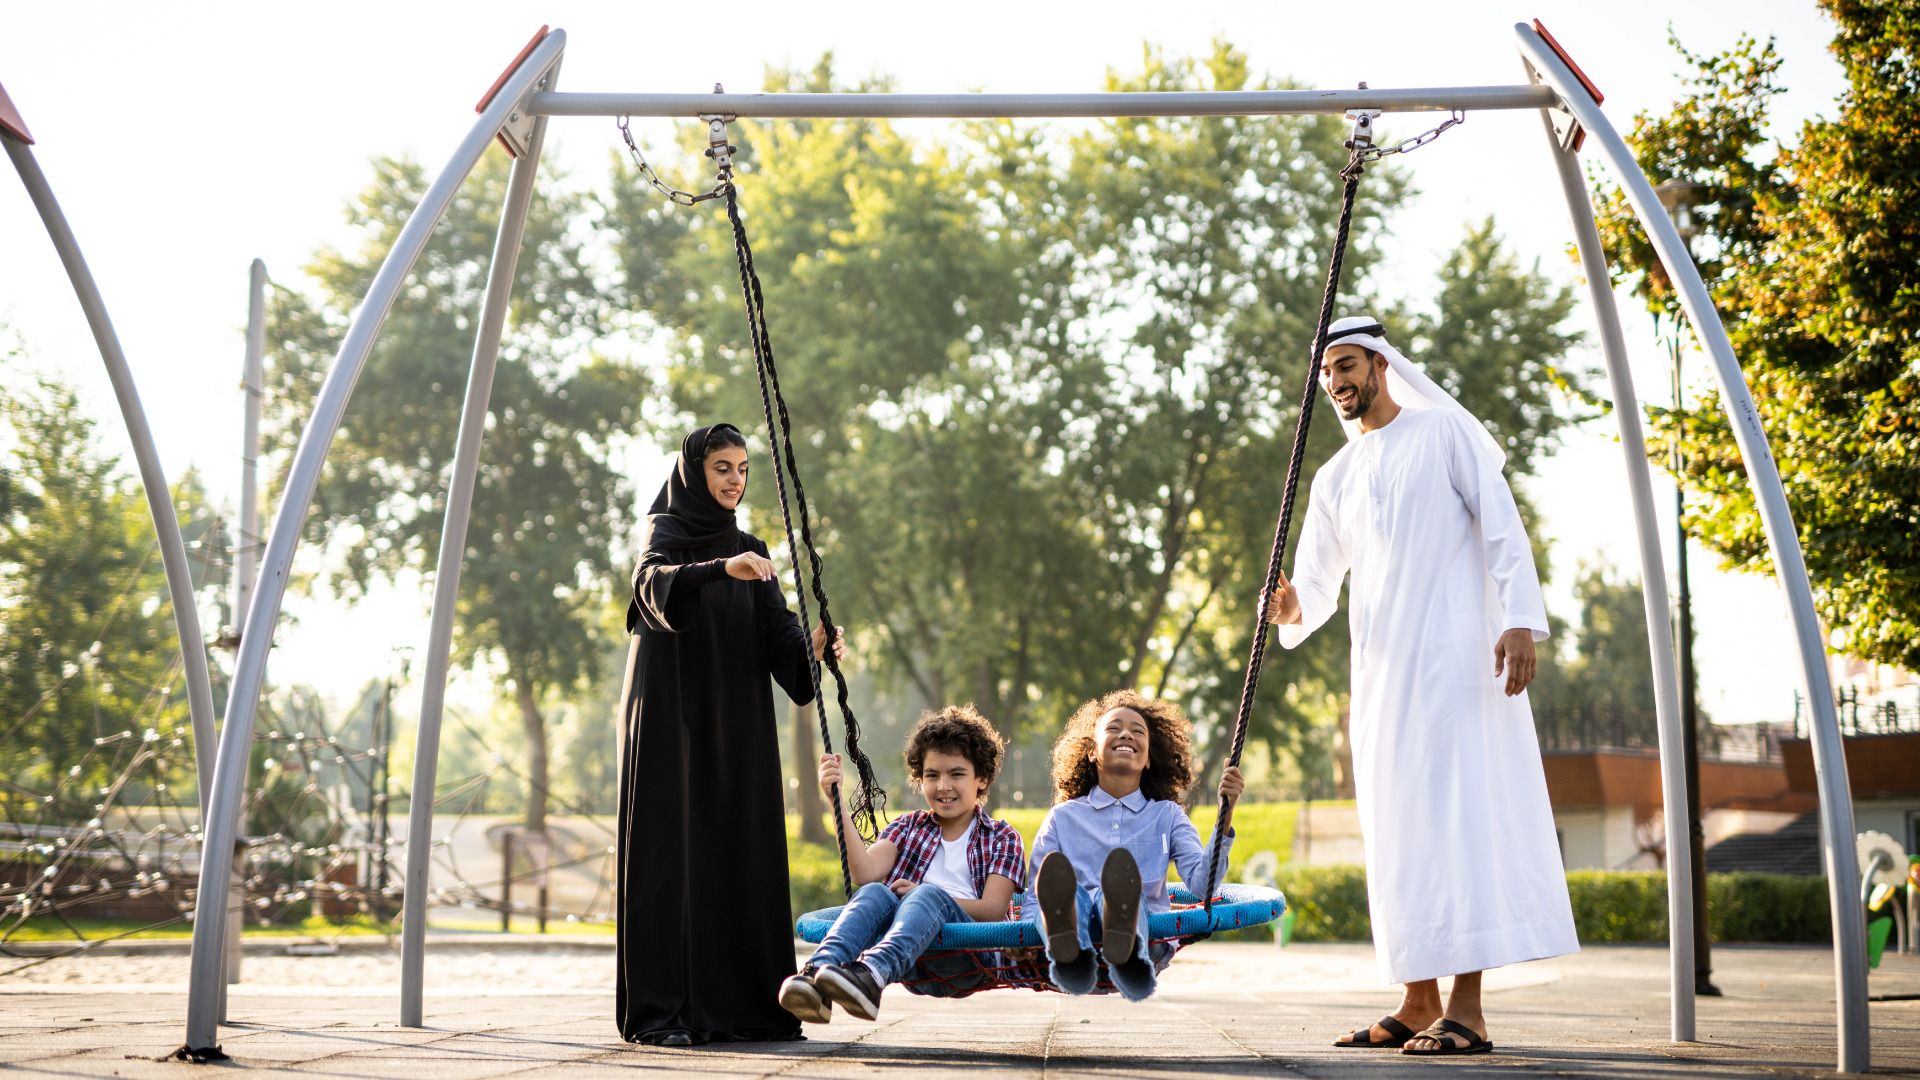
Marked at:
<point>1100,800</point>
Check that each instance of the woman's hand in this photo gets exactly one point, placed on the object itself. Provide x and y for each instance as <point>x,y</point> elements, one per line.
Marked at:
<point>820,642</point>
<point>1231,785</point>
<point>829,774</point>
<point>902,887</point>
<point>750,566</point>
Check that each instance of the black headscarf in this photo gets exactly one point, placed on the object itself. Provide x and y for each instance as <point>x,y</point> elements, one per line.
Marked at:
<point>685,514</point>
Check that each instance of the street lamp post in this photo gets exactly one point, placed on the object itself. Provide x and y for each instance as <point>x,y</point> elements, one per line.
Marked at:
<point>1678,197</point>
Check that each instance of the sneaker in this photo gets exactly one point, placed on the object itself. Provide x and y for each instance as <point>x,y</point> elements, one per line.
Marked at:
<point>1119,906</point>
<point>799,996</point>
<point>1054,888</point>
<point>852,987</point>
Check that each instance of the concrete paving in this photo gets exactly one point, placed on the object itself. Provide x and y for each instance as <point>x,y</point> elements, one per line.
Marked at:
<point>1223,1009</point>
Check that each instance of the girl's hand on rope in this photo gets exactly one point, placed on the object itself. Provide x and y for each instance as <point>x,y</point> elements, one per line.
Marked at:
<point>1513,654</point>
<point>750,566</point>
<point>902,887</point>
<point>820,643</point>
<point>1283,604</point>
<point>829,774</point>
<point>1231,785</point>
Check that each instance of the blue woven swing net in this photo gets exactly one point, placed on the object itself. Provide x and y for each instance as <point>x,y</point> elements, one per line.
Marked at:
<point>967,958</point>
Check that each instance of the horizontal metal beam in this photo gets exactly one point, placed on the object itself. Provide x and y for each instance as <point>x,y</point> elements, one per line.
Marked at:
<point>988,106</point>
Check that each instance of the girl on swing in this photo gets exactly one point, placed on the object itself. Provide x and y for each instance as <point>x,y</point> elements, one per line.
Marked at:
<point>1121,771</point>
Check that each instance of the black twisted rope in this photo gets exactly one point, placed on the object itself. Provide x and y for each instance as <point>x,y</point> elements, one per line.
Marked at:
<point>869,797</point>
<point>1351,176</point>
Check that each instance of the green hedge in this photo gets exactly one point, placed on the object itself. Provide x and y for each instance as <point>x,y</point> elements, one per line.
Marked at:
<point>1330,902</point>
<point>1609,906</point>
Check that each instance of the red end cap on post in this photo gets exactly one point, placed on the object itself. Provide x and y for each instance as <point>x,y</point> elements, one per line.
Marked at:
<point>487,98</point>
<point>10,121</point>
<point>1547,36</point>
<point>1579,134</point>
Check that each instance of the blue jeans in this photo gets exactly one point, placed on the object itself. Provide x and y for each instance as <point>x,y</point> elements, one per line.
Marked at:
<point>1134,977</point>
<point>888,933</point>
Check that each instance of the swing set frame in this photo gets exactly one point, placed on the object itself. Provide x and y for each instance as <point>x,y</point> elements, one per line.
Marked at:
<point>516,112</point>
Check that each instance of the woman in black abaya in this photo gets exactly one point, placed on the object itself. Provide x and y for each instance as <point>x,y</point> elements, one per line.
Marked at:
<point>705,927</point>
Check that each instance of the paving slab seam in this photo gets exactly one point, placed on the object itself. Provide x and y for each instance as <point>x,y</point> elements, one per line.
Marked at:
<point>265,1032</point>
<point>1222,1032</point>
<point>878,1027</point>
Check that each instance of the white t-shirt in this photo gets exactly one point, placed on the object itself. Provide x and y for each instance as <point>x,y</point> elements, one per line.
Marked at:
<point>949,868</point>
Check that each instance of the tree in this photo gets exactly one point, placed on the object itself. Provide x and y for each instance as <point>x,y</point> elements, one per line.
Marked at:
<point>550,506</point>
<point>87,643</point>
<point>1809,250</point>
<point>1045,389</point>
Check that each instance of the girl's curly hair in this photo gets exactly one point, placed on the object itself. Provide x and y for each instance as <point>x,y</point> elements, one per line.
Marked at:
<point>1169,747</point>
<point>956,729</point>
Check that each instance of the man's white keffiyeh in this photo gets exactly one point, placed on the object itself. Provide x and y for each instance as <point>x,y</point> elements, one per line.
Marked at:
<point>1409,386</point>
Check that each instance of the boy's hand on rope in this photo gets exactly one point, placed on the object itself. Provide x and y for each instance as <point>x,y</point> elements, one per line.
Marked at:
<point>1231,785</point>
<point>829,774</point>
<point>750,566</point>
<point>820,643</point>
<point>1283,604</point>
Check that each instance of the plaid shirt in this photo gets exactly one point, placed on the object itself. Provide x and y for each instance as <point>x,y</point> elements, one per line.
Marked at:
<point>995,847</point>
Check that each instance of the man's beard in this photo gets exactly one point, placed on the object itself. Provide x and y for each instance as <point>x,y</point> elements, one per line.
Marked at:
<point>1363,397</point>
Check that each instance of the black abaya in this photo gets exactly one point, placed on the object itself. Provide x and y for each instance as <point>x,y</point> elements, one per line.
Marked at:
<point>705,925</point>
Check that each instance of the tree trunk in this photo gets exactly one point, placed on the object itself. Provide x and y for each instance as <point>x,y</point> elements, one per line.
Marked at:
<point>807,801</point>
<point>536,729</point>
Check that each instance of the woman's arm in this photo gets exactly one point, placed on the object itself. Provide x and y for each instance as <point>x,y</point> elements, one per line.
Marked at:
<point>867,863</point>
<point>666,594</point>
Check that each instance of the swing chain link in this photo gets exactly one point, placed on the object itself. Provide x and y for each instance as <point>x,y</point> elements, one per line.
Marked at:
<point>719,151</point>
<point>1375,153</point>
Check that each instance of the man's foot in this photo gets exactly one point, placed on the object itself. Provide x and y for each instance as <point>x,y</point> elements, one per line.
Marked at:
<point>799,996</point>
<point>852,987</point>
<point>1120,906</point>
<point>1387,1033</point>
<point>1448,1037</point>
<point>1053,888</point>
<point>677,1037</point>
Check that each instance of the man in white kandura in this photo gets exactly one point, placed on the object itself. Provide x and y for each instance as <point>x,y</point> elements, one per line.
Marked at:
<point>1463,867</point>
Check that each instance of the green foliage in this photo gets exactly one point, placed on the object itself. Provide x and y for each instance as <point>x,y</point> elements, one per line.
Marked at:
<point>1329,902</point>
<point>1767,907</point>
<point>87,642</point>
<point>1606,671</point>
<point>1618,905</point>
<point>1609,906</point>
<point>1045,386</point>
<point>550,507</point>
<point>1809,250</point>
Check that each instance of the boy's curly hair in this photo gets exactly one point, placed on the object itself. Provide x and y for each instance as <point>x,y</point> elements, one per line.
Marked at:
<point>957,729</point>
<point>1169,747</point>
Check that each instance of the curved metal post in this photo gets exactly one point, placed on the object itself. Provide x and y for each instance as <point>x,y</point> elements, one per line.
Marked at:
<point>247,550</point>
<point>446,578</point>
<point>1776,517</point>
<point>166,526</point>
<point>1653,578</point>
<point>230,770</point>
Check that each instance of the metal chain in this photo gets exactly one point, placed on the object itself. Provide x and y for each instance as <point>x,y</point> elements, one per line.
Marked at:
<point>1375,153</point>
<point>674,194</point>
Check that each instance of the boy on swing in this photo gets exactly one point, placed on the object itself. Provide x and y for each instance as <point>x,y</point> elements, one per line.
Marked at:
<point>1120,772</point>
<point>948,863</point>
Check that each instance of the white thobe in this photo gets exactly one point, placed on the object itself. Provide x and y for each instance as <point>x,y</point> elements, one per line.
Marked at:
<point>1463,865</point>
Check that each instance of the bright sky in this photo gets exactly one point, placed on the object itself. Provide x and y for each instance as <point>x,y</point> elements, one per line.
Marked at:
<point>183,146</point>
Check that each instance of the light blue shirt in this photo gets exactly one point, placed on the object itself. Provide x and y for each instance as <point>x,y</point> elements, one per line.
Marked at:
<point>1155,831</point>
